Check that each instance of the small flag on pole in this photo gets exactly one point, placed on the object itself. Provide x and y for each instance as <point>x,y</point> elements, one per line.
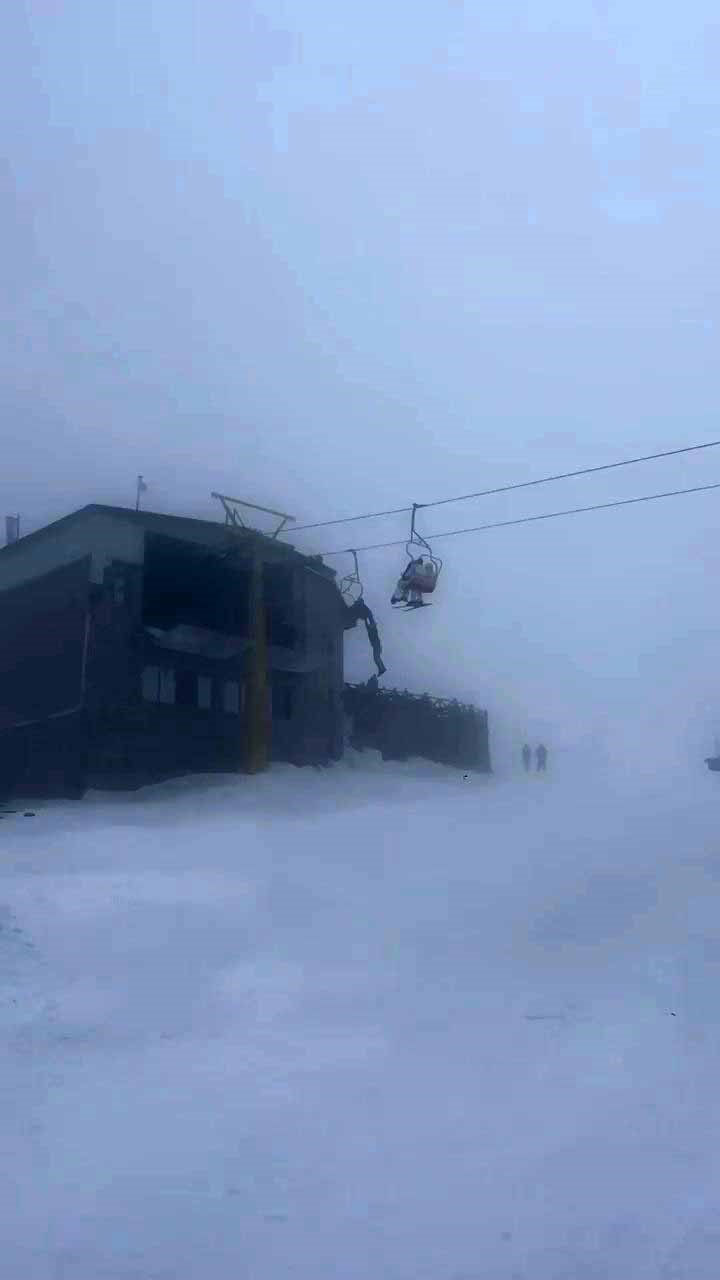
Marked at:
<point>141,488</point>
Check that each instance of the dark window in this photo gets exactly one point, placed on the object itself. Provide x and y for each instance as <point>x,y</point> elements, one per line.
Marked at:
<point>231,697</point>
<point>151,684</point>
<point>158,685</point>
<point>167,685</point>
<point>278,593</point>
<point>280,632</point>
<point>186,689</point>
<point>185,583</point>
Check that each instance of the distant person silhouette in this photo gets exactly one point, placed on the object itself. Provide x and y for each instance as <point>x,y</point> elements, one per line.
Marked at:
<point>541,756</point>
<point>527,757</point>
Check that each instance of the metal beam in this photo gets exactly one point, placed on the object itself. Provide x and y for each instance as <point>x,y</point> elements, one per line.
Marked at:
<point>233,517</point>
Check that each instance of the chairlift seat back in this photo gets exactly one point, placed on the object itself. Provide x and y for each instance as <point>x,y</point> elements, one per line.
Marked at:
<point>422,575</point>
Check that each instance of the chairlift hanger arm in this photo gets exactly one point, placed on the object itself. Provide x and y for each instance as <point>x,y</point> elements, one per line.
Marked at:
<point>416,537</point>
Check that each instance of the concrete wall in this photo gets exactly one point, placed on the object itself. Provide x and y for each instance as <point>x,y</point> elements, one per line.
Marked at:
<point>101,537</point>
<point>115,648</point>
<point>47,758</point>
<point>43,649</point>
<point>134,746</point>
<point>322,694</point>
<point>42,644</point>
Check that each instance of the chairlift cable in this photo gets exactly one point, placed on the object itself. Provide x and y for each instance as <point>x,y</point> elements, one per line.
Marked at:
<point>548,515</point>
<point>508,488</point>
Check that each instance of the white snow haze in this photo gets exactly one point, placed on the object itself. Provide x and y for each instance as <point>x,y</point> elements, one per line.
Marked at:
<point>373,1021</point>
<point>380,1021</point>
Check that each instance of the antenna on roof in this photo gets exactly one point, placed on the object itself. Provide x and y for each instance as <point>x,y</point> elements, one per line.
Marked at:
<point>234,518</point>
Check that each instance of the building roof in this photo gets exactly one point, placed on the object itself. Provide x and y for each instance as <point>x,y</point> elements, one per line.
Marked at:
<point>214,532</point>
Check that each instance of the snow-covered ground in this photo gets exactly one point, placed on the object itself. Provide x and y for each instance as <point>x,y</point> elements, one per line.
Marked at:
<point>368,1023</point>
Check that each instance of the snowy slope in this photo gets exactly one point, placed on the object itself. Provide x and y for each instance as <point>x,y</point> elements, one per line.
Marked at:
<point>376,1022</point>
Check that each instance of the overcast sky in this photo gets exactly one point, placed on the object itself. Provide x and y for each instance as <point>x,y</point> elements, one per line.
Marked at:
<point>342,257</point>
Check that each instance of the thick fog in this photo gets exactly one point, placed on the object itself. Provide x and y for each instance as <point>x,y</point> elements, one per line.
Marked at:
<point>338,258</point>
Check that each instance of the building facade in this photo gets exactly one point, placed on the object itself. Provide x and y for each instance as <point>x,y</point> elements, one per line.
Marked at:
<point>126,644</point>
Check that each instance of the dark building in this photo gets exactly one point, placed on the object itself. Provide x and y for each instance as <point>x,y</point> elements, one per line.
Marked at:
<point>126,643</point>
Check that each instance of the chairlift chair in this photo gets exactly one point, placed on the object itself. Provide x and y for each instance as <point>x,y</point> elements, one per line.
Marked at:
<point>351,587</point>
<point>351,590</point>
<point>420,576</point>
